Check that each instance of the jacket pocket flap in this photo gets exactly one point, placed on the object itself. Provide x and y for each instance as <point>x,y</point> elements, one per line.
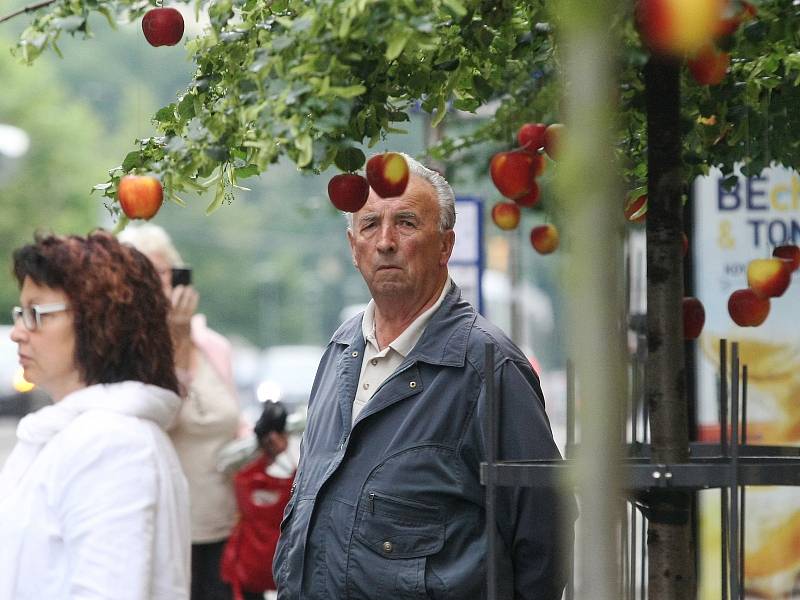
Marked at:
<point>399,528</point>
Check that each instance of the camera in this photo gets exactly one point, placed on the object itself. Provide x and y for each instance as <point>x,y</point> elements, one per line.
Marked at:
<point>181,276</point>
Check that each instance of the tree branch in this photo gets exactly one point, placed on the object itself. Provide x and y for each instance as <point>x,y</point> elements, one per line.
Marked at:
<point>27,9</point>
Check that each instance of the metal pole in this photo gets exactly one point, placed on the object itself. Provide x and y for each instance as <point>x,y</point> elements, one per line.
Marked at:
<point>491,476</point>
<point>734,482</point>
<point>723,444</point>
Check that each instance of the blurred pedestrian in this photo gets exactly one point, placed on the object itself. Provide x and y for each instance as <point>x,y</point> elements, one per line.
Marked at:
<point>388,501</point>
<point>93,502</point>
<point>261,498</point>
<point>209,416</point>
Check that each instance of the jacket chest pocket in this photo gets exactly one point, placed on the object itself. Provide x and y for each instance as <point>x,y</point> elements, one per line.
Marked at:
<point>393,539</point>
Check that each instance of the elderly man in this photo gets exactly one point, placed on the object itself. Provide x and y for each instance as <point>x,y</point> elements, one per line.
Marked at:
<point>387,500</point>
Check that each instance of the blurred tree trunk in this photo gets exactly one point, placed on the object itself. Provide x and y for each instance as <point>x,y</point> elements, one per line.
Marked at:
<point>669,537</point>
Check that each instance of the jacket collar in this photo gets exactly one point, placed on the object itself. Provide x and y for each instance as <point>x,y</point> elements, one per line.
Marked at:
<point>444,341</point>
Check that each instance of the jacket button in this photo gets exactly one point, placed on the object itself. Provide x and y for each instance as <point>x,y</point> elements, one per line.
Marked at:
<point>387,547</point>
<point>412,384</point>
<point>355,353</point>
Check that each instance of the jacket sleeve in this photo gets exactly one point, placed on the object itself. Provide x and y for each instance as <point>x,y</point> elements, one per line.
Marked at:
<point>105,496</point>
<point>535,524</point>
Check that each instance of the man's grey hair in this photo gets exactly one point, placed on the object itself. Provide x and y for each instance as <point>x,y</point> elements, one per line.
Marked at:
<point>444,193</point>
<point>150,238</point>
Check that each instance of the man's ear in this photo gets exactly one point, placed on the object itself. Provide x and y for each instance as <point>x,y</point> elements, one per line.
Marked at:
<point>448,241</point>
<point>352,242</point>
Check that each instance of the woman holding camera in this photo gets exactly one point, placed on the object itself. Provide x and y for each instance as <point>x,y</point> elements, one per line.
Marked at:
<point>93,502</point>
<point>209,414</point>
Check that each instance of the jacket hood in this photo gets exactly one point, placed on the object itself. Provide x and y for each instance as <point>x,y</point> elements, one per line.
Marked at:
<point>131,398</point>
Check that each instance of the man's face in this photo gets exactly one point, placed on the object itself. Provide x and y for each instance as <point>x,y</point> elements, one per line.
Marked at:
<point>396,243</point>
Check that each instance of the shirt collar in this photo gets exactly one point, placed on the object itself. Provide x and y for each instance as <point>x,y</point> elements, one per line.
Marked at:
<point>405,342</point>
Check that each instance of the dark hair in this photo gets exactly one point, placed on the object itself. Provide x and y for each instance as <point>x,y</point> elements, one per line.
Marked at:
<point>273,418</point>
<point>118,305</point>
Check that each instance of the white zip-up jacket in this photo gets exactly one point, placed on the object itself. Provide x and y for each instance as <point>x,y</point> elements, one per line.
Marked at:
<point>93,502</point>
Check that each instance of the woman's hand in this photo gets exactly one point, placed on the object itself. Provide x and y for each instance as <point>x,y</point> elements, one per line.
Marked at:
<point>184,299</point>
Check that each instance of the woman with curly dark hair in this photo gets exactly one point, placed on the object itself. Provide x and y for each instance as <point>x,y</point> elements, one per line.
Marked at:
<point>93,502</point>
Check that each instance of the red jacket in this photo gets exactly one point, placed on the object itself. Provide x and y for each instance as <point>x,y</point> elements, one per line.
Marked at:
<point>247,558</point>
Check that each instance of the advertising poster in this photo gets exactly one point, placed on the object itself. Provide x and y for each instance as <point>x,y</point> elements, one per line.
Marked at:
<point>732,227</point>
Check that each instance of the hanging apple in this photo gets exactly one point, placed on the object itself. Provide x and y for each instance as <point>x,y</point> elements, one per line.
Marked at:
<point>769,277</point>
<point>162,26</point>
<point>387,174</point>
<point>789,252</point>
<point>709,66</point>
<point>552,139</point>
<point>506,215</point>
<point>545,238</point>
<point>748,309</point>
<point>694,317</point>
<point>512,173</point>
<point>678,27</point>
<point>140,196</point>
<point>530,199</point>
<point>348,192</point>
<point>531,136</point>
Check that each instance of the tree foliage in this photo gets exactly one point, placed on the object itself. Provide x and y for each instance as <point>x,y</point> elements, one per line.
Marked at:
<point>309,79</point>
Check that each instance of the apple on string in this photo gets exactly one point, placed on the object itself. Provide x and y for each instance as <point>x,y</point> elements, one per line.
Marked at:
<point>747,308</point>
<point>388,174</point>
<point>506,215</point>
<point>545,238</point>
<point>140,196</point>
<point>162,26</point>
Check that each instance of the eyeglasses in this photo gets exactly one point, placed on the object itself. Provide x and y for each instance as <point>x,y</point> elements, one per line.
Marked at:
<point>32,315</point>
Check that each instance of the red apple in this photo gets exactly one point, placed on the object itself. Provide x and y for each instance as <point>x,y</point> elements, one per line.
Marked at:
<point>531,136</point>
<point>387,174</point>
<point>636,209</point>
<point>140,196</point>
<point>531,198</point>
<point>505,215</point>
<point>544,238</point>
<point>162,26</point>
<point>678,27</point>
<point>694,317</point>
<point>789,252</point>
<point>731,20</point>
<point>348,191</point>
<point>747,309</point>
<point>709,66</point>
<point>769,277</point>
<point>552,140</point>
<point>537,167</point>
<point>512,173</point>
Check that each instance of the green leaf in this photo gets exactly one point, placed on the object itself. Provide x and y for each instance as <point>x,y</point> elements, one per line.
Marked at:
<point>306,148</point>
<point>132,160</point>
<point>396,42</point>
<point>69,24</point>
<point>456,7</point>
<point>350,159</point>
<point>219,196</point>
<point>349,91</point>
<point>247,171</point>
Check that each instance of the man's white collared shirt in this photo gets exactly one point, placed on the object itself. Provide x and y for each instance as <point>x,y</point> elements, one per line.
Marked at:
<point>378,365</point>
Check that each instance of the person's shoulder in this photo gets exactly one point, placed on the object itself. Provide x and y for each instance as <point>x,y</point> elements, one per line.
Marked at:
<point>348,330</point>
<point>107,427</point>
<point>485,332</point>
<point>204,336</point>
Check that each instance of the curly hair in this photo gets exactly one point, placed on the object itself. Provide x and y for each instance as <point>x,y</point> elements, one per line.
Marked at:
<point>120,310</point>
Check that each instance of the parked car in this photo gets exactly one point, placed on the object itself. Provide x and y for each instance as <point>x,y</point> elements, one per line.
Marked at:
<point>284,373</point>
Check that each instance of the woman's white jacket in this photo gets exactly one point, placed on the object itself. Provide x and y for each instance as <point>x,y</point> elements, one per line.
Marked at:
<point>93,502</point>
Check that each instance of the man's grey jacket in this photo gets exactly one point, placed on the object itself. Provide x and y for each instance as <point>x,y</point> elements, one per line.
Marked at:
<point>393,508</point>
